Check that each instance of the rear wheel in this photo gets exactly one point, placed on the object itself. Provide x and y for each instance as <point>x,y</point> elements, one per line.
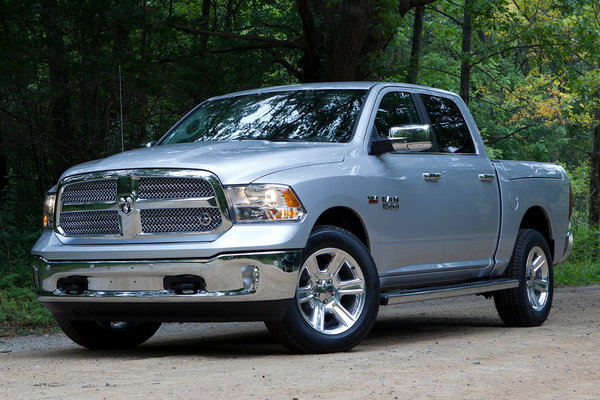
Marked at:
<point>108,334</point>
<point>529,304</point>
<point>337,295</point>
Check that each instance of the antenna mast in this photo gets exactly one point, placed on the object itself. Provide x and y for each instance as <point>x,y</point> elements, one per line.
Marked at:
<point>121,104</point>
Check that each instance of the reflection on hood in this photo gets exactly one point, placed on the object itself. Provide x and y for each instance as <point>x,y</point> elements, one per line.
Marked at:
<point>234,162</point>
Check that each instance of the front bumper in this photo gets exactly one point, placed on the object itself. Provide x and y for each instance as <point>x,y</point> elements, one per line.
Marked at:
<point>240,287</point>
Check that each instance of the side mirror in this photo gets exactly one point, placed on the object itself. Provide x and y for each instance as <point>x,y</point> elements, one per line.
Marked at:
<point>411,137</point>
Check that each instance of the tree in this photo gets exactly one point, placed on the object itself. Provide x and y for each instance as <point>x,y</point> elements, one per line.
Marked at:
<point>415,52</point>
<point>336,38</point>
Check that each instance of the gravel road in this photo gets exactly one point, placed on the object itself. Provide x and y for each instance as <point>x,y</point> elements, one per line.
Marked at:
<point>451,349</point>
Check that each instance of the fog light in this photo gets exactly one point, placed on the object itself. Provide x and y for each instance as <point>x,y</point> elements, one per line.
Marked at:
<point>250,277</point>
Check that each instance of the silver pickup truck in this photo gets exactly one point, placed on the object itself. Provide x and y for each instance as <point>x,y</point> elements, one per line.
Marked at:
<point>306,207</point>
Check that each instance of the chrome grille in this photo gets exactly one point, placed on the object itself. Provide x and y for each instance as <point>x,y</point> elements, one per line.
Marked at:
<point>180,220</point>
<point>86,223</point>
<point>142,204</point>
<point>173,188</point>
<point>90,192</point>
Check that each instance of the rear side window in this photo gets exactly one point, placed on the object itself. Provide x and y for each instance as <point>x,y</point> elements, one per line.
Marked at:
<point>448,125</point>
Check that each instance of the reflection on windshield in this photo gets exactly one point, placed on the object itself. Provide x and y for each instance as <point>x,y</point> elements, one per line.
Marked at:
<point>304,115</point>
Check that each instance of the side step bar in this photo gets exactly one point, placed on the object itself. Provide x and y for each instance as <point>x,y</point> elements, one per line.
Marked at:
<point>441,292</point>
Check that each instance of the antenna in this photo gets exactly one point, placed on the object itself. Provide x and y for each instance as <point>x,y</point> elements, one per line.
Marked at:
<point>121,104</point>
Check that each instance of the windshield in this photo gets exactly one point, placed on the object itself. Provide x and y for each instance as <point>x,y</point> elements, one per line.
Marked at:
<point>304,115</point>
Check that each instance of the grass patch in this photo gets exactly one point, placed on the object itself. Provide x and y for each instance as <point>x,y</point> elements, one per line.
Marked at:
<point>577,273</point>
<point>582,267</point>
<point>20,311</point>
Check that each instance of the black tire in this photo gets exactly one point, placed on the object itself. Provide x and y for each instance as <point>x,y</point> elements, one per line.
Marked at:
<point>108,335</point>
<point>528,304</point>
<point>336,304</point>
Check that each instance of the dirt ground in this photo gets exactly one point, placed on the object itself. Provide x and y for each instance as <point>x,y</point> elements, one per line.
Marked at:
<point>450,349</point>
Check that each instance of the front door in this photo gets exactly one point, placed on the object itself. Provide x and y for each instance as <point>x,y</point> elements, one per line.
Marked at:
<point>410,195</point>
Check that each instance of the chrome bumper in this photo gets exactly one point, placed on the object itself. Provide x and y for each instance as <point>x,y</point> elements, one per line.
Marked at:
<point>252,277</point>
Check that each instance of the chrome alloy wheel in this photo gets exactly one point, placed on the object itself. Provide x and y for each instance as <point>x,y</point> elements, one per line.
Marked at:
<point>331,291</point>
<point>537,278</point>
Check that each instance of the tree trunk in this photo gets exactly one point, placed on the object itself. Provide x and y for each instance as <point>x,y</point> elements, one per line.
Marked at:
<point>415,53</point>
<point>346,40</point>
<point>465,66</point>
<point>594,210</point>
<point>337,49</point>
<point>3,169</point>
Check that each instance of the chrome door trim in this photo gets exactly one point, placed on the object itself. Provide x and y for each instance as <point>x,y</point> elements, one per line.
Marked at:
<point>432,176</point>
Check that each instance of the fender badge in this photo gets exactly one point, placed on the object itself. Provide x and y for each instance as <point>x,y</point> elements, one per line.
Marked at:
<point>373,199</point>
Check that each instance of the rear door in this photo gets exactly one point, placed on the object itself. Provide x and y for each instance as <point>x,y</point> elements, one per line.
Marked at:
<point>471,188</point>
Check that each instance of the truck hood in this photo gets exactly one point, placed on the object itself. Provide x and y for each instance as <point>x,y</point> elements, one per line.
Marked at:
<point>234,162</point>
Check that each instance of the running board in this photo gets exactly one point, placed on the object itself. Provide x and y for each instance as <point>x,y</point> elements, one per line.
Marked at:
<point>441,292</point>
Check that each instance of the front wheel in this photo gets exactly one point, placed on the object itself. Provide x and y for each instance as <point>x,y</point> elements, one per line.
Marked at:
<point>528,304</point>
<point>108,334</point>
<point>337,295</point>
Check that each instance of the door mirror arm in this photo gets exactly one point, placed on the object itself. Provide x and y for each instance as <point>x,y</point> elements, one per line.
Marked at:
<point>380,146</point>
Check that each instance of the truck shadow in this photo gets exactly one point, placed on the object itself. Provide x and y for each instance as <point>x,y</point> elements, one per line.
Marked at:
<point>222,341</point>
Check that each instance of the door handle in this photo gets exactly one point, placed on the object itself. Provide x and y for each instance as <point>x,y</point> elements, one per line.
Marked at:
<point>432,176</point>
<point>486,177</point>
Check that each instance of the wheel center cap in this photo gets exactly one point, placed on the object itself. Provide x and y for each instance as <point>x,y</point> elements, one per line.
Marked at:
<point>324,289</point>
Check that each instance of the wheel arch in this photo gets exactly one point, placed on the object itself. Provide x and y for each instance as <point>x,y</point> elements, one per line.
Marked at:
<point>537,218</point>
<point>345,218</point>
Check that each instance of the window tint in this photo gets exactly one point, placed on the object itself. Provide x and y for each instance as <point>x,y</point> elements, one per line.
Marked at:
<point>448,125</point>
<point>395,109</point>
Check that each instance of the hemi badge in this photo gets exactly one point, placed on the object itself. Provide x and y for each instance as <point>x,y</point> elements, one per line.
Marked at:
<point>373,199</point>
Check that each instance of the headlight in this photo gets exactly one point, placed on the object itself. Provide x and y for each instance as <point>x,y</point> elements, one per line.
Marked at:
<point>263,203</point>
<point>49,202</point>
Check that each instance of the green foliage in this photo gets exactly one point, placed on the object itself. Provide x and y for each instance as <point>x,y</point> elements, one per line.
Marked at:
<point>577,273</point>
<point>583,265</point>
<point>19,306</point>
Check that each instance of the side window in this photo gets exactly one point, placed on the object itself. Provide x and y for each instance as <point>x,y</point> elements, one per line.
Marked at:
<point>398,120</point>
<point>448,125</point>
<point>395,109</point>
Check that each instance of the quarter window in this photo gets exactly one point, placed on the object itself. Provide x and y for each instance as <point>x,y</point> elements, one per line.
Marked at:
<point>448,125</point>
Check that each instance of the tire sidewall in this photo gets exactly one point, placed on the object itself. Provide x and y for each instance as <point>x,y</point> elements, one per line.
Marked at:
<point>532,239</point>
<point>330,237</point>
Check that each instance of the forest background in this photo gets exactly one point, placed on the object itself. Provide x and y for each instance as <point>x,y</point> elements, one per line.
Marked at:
<point>528,69</point>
